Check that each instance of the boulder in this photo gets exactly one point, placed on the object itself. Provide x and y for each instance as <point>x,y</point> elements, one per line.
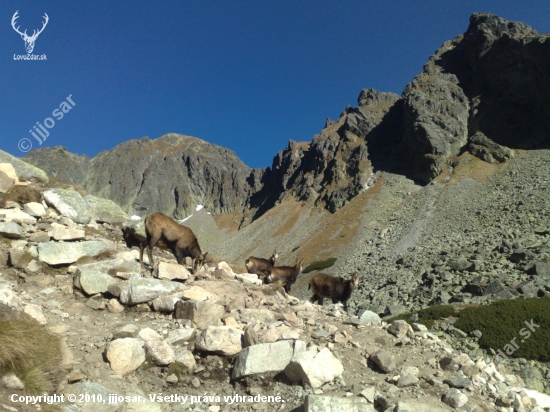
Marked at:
<point>11,230</point>
<point>257,316</point>
<point>93,281</point>
<point>141,290</point>
<point>265,357</point>
<point>222,340</point>
<point>158,350</point>
<point>116,265</point>
<point>6,183</point>
<point>385,361</point>
<point>92,388</point>
<point>70,204</point>
<point>200,294</point>
<point>167,303</point>
<point>105,211</point>
<point>319,403</point>
<point>399,328</point>
<point>25,171</point>
<point>125,355</point>
<point>35,312</point>
<point>17,216</point>
<point>313,367</point>
<point>61,253</point>
<point>127,331</point>
<point>426,403</point>
<point>34,209</point>
<point>455,398</point>
<point>180,336</point>
<point>370,317</point>
<point>9,171</point>
<point>223,272</point>
<point>172,271</point>
<point>185,357</point>
<point>62,233</point>
<point>201,314</point>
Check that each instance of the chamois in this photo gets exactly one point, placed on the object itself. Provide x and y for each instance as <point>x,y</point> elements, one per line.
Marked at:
<point>331,287</point>
<point>261,266</point>
<point>179,239</point>
<point>286,275</point>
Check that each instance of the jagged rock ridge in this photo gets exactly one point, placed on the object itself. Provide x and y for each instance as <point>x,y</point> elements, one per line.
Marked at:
<point>492,82</point>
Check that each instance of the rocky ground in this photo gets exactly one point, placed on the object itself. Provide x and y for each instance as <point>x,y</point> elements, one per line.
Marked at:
<point>217,334</point>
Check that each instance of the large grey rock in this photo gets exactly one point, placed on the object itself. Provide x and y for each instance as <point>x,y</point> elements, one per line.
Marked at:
<point>385,361</point>
<point>185,357</point>
<point>60,253</point>
<point>6,182</point>
<point>202,314</point>
<point>116,265</point>
<point>167,303</point>
<point>70,204</point>
<point>314,367</point>
<point>180,336</point>
<point>319,403</point>
<point>62,233</point>
<point>93,388</point>
<point>25,171</point>
<point>105,210</point>
<point>92,281</point>
<point>399,328</point>
<point>11,230</point>
<point>257,316</point>
<point>18,216</point>
<point>370,317</point>
<point>424,404</point>
<point>223,340</point>
<point>541,269</point>
<point>125,355</point>
<point>455,398</point>
<point>172,271</point>
<point>158,350</point>
<point>141,290</point>
<point>484,148</point>
<point>34,209</point>
<point>265,357</point>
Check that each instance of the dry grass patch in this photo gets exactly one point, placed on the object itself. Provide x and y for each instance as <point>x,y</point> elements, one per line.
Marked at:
<point>476,169</point>
<point>30,352</point>
<point>21,195</point>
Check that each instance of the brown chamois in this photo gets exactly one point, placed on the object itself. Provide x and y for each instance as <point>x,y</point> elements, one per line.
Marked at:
<point>179,239</point>
<point>260,266</point>
<point>331,287</point>
<point>285,274</point>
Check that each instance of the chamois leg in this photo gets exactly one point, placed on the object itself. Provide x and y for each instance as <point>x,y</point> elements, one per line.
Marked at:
<point>179,256</point>
<point>152,242</point>
<point>141,247</point>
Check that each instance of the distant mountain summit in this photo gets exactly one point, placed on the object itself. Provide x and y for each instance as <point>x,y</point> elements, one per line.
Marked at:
<point>171,174</point>
<point>485,91</point>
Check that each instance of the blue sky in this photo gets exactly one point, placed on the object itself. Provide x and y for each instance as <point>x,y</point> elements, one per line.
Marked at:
<point>247,75</point>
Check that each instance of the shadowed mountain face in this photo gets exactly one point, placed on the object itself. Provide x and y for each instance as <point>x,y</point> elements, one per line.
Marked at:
<point>485,89</point>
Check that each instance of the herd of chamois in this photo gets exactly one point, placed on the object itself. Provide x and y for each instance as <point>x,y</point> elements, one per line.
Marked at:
<point>164,232</point>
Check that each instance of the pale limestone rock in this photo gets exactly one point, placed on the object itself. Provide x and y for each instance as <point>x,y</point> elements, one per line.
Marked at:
<point>173,271</point>
<point>35,312</point>
<point>125,355</point>
<point>223,340</point>
<point>314,368</point>
<point>34,209</point>
<point>158,350</point>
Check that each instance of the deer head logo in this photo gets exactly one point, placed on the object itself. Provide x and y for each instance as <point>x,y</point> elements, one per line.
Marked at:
<point>29,40</point>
